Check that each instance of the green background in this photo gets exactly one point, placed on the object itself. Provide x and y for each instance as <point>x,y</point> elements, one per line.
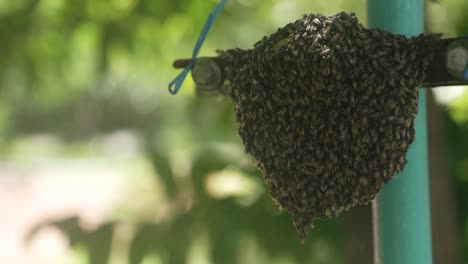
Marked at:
<point>74,69</point>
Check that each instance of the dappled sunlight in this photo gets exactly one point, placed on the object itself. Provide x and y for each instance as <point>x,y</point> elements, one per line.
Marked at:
<point>448,95</point>
<point>458,108</point>
<point>231,183</point>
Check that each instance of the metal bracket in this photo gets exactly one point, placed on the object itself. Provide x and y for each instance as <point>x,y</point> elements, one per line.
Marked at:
<point>448,67</point>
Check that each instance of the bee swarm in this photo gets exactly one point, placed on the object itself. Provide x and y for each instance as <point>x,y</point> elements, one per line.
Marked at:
<point>326,108</point>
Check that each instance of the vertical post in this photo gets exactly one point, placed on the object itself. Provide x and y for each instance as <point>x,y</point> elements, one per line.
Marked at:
<point>401,210</point>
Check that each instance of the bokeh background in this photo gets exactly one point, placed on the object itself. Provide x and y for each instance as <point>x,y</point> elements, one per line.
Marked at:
<point>100,164</point>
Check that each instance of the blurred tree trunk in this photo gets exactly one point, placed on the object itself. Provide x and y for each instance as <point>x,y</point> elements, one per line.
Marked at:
<point>446,242</point>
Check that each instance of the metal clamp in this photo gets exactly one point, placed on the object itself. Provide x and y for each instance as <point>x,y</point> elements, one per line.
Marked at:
<point>207,74</point>
<point>449,65</point>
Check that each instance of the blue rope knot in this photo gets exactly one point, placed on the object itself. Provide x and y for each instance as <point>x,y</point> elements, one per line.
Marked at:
<point>175,85</point>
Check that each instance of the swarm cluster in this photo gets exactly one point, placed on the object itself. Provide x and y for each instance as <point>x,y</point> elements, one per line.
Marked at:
<point>326,108</point>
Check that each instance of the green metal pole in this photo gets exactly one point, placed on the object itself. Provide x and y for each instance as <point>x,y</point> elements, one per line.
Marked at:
<point>402,230</point>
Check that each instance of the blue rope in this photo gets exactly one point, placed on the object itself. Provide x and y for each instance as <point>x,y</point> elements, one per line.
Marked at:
<point>179,80</point>
<point>465,73</point>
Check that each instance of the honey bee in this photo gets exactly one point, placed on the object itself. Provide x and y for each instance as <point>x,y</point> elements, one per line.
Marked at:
<point>326,108</point>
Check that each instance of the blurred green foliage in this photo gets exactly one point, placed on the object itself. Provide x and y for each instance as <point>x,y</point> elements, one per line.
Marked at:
<point>75,68</point>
